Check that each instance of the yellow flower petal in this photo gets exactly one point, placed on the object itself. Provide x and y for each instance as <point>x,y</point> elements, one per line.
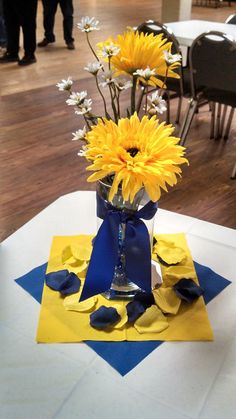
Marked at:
<point>154,165</point>
<point>139,51</point>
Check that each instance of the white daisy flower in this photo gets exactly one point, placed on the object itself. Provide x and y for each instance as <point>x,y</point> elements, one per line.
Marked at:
<point>88,24</point>
<point>156,104</point>
<point>77,98</point>
<point>65,84</point>
<point>146,74</point>
<point>82,151</point>
<point>107,78</point>
<point>123,84</point>
<point>171,58</point>
<point>84,107</point>
<point>93,68</point>
<point>110,50</point>
<point>79,135</point>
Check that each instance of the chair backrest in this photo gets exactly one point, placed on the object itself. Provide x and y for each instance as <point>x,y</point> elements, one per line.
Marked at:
<point>231,19</point>
<point>212,59</point>
<point>152,26</point>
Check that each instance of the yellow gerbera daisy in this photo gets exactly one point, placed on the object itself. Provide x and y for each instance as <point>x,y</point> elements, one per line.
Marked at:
<point>140,153</point>
<point>139,51</point>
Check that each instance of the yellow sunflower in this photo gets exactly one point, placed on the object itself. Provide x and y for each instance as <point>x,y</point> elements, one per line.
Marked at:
<point>139,51</point>
<point>140,153</point>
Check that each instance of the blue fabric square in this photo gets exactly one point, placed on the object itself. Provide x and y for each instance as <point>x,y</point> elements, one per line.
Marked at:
<point>124,356</point>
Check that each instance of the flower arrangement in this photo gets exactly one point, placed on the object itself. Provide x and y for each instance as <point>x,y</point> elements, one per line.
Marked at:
<point>129,147</point>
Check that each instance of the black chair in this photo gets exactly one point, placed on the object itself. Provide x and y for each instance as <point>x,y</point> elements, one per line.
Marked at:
<point>210,3</point>
<point>233,176</point>
<point>181,86</point>
<point>231,19</point>
<point>212,59</point>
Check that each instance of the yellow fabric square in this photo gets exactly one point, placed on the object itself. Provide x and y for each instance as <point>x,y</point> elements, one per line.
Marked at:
<point>59,325</point>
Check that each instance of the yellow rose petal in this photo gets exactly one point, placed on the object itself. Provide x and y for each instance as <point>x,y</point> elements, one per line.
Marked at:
<point>81,251</point>
<point>169,252</point>
<point>80,266</point>
<point>72,303</point>
<point>174,273</point>
<point>72,261</point>
<point>66,254</point>
<point>167,300</point>
<point>121,309</point>
<point>152,321</point>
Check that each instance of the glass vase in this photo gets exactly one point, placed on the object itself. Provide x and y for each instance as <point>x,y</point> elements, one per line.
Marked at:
<point>122,287</point>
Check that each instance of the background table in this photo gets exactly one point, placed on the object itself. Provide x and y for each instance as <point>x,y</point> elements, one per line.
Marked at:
<point>188,30</point>
<point>178,380</point>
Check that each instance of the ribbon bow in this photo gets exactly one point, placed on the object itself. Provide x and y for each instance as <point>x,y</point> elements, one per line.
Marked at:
<point>105,254</point>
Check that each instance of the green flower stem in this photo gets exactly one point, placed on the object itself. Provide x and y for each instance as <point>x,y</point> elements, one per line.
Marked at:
<point>164,81</point>
<point>146,100</point>
<point>116,98</point>
<point>90,46</point>
<point>86,121</point>
<point>118,103</point>
<point>113,104</point>
<point>104,101</point>
<point>133,92</point>
<point>140,99</point>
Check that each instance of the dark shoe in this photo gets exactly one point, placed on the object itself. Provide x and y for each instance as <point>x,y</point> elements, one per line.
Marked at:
<point>70,45</point>
<point>8,58</point>
<point>44,43</point>
<point>27,60</point>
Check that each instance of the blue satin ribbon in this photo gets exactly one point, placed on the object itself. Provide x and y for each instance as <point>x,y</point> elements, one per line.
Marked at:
<point>105,252</point>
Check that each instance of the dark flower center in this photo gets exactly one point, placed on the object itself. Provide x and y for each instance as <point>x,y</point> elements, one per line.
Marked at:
<point>133,151</point>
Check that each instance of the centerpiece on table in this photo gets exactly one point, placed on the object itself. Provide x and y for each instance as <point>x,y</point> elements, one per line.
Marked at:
<point>130,153</point>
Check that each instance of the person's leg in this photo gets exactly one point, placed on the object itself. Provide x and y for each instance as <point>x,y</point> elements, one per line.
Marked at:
<point>49,11</point>
<point>67,11</point>
<point>28,22</point>
<point>13,30</point>
<point>3,34</point>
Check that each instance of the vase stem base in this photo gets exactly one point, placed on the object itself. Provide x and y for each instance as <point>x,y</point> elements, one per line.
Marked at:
<point>121,293</point>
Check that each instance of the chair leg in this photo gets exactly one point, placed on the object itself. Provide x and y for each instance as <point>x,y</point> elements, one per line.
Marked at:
<point>188,120</point>
<point>217,133</point>
<point>223,121</point>
<point>231,114</point>
<point>233,176</point>
<point>213,110</point>
<point>179,109</point>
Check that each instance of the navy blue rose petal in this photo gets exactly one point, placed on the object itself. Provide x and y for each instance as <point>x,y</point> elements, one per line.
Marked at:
<point>72,286</point>
<point>145,298</point>
<point>104,317</point>
<point>188,290</point>
<point>134,310</point>
<point>63,281</point>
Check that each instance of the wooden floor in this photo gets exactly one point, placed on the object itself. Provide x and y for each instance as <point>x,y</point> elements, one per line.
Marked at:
<point>39,162</point>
